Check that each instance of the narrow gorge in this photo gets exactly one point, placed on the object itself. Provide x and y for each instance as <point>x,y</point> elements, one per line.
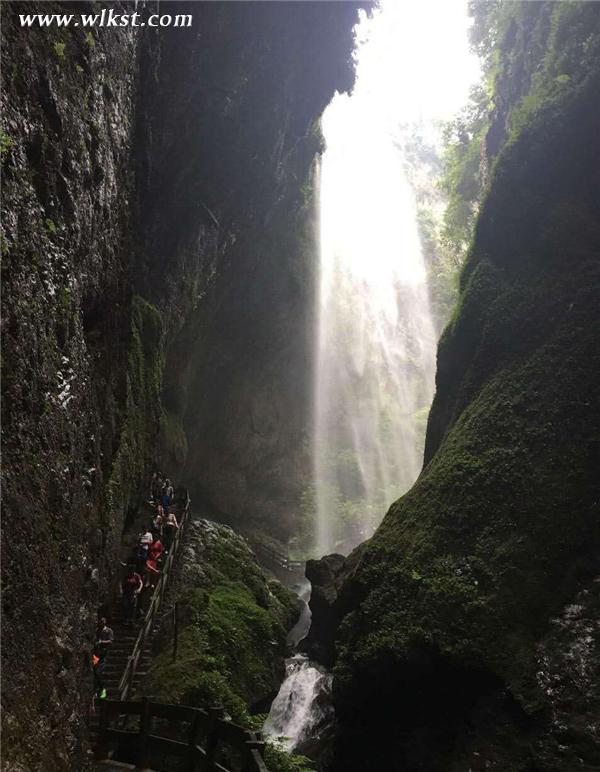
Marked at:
<point>320,282</point>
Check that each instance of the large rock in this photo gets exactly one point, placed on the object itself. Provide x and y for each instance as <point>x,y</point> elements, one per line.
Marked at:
<point>326,577</point>
<point>232,626</point>
<point>67,107</point>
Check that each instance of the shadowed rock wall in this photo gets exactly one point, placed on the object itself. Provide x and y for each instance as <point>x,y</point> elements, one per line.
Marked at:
<point>152,180</point>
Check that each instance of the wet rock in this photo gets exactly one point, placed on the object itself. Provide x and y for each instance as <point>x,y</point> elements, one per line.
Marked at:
<point>327,577</point>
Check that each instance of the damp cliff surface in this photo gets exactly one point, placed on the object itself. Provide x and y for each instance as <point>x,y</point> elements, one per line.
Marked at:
<point>239,375</point>
<point>133,164</point>
<point>67,322</point>
<point>479,587</point>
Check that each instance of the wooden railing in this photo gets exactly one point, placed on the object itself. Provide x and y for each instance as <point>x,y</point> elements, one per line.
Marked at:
<point>221,738</point>
<point>128,677</point>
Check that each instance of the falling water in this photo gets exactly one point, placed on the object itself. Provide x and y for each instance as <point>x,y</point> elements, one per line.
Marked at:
<point>375,356</point>
<point>300,630</point>
<point>375,346</point>
<point>375,339</point>
<point>302,710</point>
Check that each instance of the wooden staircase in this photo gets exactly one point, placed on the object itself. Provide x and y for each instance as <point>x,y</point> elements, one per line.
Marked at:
<point>130,655</point>
<point>118,658</point>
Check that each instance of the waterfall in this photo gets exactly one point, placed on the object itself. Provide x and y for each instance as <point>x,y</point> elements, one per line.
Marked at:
<point>375,340</point>
<point>300,630</point>
<point>302,711</point>
<point>301,714</point>
<point>374,334</point>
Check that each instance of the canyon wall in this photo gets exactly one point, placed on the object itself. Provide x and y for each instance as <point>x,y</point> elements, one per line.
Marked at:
<point>467,626</point>
<point>156,185</point>
<point>241,160</point>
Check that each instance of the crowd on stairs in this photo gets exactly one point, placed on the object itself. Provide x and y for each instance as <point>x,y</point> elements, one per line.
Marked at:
<point>141,571</point>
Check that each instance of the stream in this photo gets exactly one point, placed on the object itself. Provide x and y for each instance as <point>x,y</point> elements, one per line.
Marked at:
<point>301,714</point>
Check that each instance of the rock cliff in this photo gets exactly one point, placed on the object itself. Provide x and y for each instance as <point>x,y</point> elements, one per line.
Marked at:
<point>479,587</point>
<point>155,257</point>
<point>238,376</point>
<point>78,357</point>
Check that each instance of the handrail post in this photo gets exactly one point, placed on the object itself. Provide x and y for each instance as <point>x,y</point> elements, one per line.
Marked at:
<point>253,744</point>
<point>212,739</point>
<point>175,629</point>
<point>143,760</point>
<point>195,726</point>
<point>102,745</point>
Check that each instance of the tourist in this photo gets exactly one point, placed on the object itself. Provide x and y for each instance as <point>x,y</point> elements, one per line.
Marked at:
<point>155,550</point>
<point>146,540</point>
<point>98,671</point>
<point>160,519</point>
<point>169,528</point>
<point>132,586</point>
<point>167,494</point>
<point>151,573</point>
<point>104,639</point>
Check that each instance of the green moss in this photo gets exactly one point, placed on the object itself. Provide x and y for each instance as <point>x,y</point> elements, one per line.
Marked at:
<point>232,637</point>
<point>173,438</point>
<point>50,225</point>
<point>59,50</point>
<point>277,760</point>
<point>501,528</point>
<point>244,633</point>
<point>64,300</point>
<point>196,677</point>
<point>143,404</point>
<point>5,143</point>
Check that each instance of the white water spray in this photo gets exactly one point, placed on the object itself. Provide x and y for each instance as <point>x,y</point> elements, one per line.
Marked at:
<point>375,349</point>
<point>302,708</point>
<point>375,342</point>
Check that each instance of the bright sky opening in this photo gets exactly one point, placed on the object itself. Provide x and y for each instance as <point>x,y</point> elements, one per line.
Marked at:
<point>413,65</point>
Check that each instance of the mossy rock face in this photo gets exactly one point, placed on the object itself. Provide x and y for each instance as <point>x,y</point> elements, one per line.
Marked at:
<point>233,625</point>
<point>450,607</point>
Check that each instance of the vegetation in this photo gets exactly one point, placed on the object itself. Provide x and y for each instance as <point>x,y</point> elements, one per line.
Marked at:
<point>232,642</point>
<point>462,179</point>
<point>143,400</point>
<point>453,594</point>
<point>552,46</point>
<point>59,50</point>
<point>5,142</point>
<point>50,225</point>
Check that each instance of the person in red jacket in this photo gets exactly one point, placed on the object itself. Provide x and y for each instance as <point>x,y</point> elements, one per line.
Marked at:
<point>155,549</point>
<point>132,586</point>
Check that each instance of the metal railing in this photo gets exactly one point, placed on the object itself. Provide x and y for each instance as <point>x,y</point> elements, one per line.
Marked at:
<point>128,677</point>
